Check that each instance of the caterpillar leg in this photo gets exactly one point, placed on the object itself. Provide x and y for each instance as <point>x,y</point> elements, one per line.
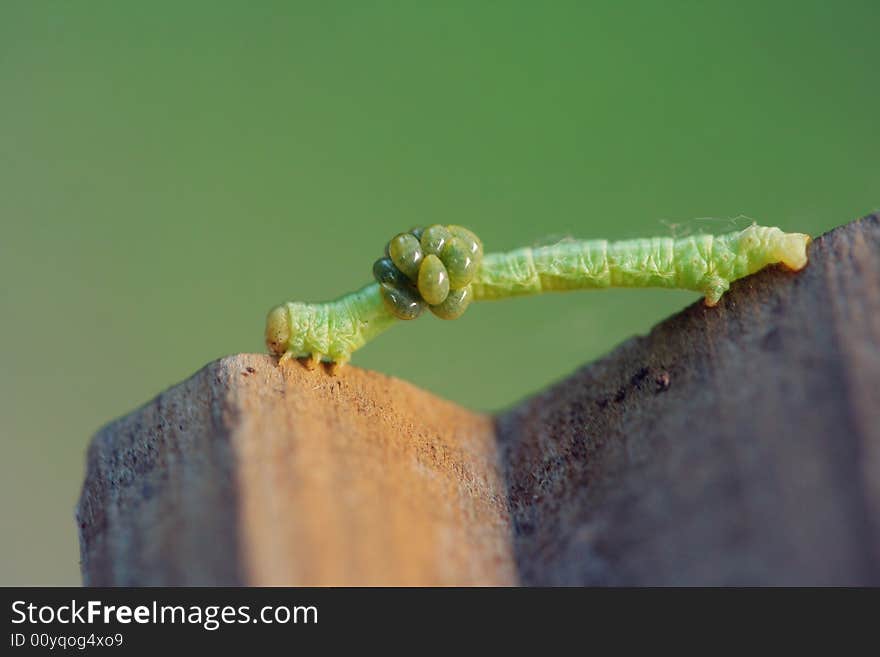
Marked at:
<point>285,357</point>
<point>715,291</point>
<point>335,366</point>
<point>312,361</point>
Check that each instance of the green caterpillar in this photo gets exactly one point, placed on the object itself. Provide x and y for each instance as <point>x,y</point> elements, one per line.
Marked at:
<point>443,268</point>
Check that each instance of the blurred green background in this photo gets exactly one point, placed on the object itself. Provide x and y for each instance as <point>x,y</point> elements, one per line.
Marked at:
<point>170,170</point>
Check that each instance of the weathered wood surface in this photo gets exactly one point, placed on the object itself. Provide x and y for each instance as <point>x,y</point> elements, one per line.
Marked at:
<point>732,445</point>
<point>248,473</point>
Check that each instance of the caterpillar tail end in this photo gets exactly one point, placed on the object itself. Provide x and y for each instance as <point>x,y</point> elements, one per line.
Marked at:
<point>792,250</point>
<point>788,249</point>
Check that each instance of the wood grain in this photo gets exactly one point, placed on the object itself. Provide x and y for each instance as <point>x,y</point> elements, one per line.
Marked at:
<point>733,445</point>
<point>251,473</point>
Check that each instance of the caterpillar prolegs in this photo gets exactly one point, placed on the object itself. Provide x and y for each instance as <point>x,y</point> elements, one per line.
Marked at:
<point>443,268</point>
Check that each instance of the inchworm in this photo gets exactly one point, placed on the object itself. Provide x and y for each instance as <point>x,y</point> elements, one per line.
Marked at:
<point>443,267</point>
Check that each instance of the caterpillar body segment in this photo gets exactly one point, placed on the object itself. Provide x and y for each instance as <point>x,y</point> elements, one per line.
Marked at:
<point>329,331</point>
<point>456,272</point>
<point>702,263</point>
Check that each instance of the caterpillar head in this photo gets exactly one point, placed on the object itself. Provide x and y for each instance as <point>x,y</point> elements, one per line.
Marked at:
<point>278,330</point>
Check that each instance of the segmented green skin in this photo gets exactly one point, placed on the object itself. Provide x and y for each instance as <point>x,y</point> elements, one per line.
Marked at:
<point>703,263</point>
<point>336,329</point>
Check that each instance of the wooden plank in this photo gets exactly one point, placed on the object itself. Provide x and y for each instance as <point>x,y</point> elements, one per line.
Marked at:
<point>732,445</point>
<point>248,473</point>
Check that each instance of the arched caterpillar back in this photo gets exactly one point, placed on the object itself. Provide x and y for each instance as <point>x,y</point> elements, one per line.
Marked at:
<point>443,268</point>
